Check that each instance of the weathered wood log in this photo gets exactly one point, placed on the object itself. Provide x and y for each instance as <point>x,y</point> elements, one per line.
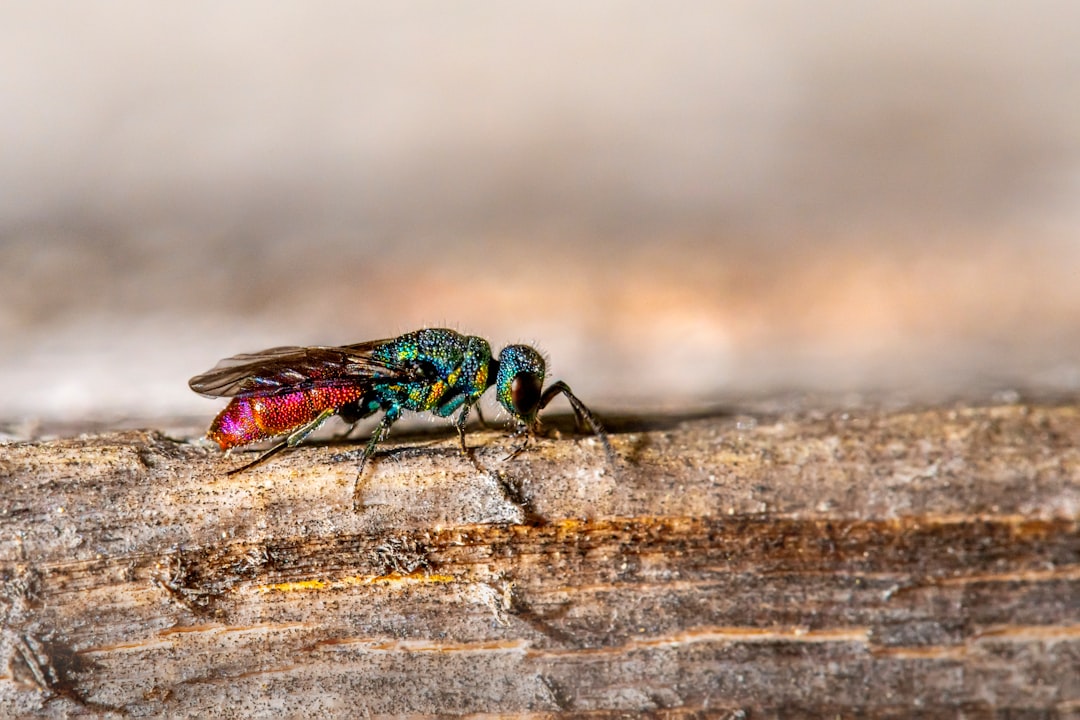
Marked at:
<point>868,562</point>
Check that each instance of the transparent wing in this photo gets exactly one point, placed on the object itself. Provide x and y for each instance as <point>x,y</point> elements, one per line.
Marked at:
<point>287,369</point>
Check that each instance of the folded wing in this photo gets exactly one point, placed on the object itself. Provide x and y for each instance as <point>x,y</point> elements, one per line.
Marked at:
<point>289,369</point>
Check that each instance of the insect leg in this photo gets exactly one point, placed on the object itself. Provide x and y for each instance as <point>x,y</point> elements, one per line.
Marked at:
<point>272,451</point>
<point>381,431</point>
<point>297,436</point>
<point>345,433</point>
<point>522,430</point>
<point>460,400</point>
<point>292,440</point>
<point>462,418</point>
<point>351,414</point>
<point>580,412</point>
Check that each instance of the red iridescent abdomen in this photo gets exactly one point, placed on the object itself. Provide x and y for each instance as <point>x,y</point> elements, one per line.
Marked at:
<point>251,419</point>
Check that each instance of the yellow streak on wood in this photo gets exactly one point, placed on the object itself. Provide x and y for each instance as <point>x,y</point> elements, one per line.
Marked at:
<point>355,580</point>
<point>293,586</point>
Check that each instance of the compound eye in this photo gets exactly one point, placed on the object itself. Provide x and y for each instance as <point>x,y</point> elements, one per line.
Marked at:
<point>525,393</point>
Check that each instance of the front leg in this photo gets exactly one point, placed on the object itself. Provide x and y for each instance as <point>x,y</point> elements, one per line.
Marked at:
<point>524,430</point>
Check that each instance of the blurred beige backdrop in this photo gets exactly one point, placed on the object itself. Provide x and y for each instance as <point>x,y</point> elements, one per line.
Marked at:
<point>678,203</point>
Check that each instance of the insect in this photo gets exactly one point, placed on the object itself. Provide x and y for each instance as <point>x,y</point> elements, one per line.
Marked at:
<point>291,391</point>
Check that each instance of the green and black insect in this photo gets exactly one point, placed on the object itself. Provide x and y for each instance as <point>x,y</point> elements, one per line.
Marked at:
<point>290,391</point>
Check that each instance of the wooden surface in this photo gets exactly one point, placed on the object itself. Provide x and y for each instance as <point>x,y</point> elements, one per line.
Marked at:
<point>861,562</point>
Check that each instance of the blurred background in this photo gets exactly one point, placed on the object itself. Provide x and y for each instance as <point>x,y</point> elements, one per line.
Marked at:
<point>679,205</point>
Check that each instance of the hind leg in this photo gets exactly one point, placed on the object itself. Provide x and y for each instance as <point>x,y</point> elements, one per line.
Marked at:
<point>292,440</point>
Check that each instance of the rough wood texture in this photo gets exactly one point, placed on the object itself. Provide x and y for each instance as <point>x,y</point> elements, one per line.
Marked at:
<point>876,563</point>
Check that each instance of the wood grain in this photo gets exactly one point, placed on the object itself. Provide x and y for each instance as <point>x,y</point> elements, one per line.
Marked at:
<point>863,562</point>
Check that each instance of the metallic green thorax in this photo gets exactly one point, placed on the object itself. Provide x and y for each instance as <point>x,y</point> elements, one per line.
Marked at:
<point>442,371</point>
<point>451,371</point>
